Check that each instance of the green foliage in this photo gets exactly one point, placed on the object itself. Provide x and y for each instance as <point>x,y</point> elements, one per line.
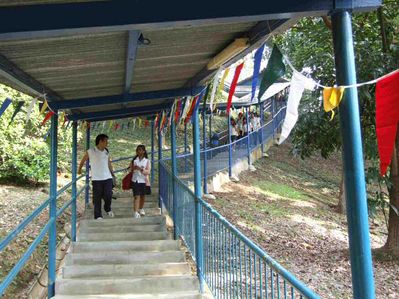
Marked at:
<point>24,152</point>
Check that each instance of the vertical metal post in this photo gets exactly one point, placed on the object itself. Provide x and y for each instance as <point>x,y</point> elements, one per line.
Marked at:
<point>273,106</point>
<point>261,125</point>
<point>248,139</point>
<point>355,189</point>
<point>87,191</point>
<point>185,149</point>
<point>152,152</point>
<point>204,149</point>
<point>210,126</point>
<point>159,161</point>
<point>197,192</point>
<point>52,238</point>
<point>74,172</point>
<point>174,174</point>
<point>229,140</point>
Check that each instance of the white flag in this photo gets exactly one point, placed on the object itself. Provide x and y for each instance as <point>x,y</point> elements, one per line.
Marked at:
<point>187,106</point>
<point>298,84</point>
<point>214,86</point>
<point>30,108</point>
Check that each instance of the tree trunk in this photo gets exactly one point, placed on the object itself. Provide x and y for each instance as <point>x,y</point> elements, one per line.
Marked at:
<point>392,243</point>
<point>341,207</point>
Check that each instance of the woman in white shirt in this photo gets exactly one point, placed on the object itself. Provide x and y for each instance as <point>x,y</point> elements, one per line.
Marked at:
<point>141,168</point>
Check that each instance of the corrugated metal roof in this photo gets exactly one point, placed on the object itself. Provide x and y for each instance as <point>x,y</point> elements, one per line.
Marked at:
<point>36,2</point>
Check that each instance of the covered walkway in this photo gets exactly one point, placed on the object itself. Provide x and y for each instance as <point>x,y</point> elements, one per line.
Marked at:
<point>101,60</point>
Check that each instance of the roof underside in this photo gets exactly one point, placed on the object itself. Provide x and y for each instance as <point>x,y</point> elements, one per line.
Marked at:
<point>97,62</point>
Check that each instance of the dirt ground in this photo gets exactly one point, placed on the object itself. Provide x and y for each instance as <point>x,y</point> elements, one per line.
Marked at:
<point>287,207</point>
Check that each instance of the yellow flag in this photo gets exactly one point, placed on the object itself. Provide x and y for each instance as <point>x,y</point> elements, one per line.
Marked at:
<point>332,96</point>
<point>44,107</point>
<point>221,84</point>
<point>139,123</point>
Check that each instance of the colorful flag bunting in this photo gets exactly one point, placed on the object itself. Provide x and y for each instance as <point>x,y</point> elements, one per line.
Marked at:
<point>44,107</point>
<point>275,69</point>
<point>17,109</point>
<point>332,96</point>
<point>387,117</point>
<point>30,108</point>
<point>237,73</point>
<point>257,62</point>
<point>221,84</point>
<point>177,113</point>
<point>298,84</point>
<point>214,86</point>
<point>47,117</point>
<point>5,105</point>
<point>190,112</point>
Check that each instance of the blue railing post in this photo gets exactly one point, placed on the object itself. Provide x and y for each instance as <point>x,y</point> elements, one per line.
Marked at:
<point>248,139</point>
<point>174,172</point>
<point>185,149</point>
<point>261,125</point>
<point>159,160</point>
<point>197,192</point>
<point>355,190</point>
<point>74,171</point>
<point>52,239</point>
<point>273,107</point>
<point>87,191</point>
<point>152,153</point>
<point>210,126</point>
<point>204,147</point>
<point>229,140</point>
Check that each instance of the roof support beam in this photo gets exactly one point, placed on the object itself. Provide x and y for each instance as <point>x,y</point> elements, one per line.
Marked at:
<point>120,112</point>
<point>149,113</point>
<point>133,41</point>
<point>49,20</point>
<point>25,82</point>
<point>129,98</point>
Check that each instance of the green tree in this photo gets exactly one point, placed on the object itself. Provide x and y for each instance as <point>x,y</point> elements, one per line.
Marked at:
<point>309,44</point>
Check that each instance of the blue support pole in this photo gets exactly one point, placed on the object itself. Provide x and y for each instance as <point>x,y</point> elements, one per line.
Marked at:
<point>87,191</point>
<point>261,126</point>
<point>174,172</point>
<point>74,172</point>
<point>197,192</point>
<point>152,152</point>
<point>273,106</point>
<point>204,147</point>
<point>159,160</point>
<point>248,139</point>
<point>229,140</point>
<point>355,189</point>
<point>185,148</point>
<point>52,238</point>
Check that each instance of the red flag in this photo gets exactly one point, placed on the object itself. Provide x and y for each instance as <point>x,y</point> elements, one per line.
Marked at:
<point>146,123</point>
<point>233,86</point>
<point>117,126</point>
<point>191,110</point>
<point>387,117</point>
<point>177,113</point>
<point>47,117</point>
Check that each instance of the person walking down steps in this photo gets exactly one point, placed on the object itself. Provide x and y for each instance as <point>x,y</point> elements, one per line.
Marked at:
<point>141,168</point>
<point>101,175</point>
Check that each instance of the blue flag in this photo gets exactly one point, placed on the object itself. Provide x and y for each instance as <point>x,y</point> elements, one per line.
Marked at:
<point>5,105</point>
<point>257,61</point>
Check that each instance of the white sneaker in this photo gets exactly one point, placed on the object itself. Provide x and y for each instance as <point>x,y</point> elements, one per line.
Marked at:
<point>99,218</point>
<point>136,215</point>
<point>111,214</point>
<point>141,211</point>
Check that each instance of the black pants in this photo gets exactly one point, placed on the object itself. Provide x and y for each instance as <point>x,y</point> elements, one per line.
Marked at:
<point>102,190</point>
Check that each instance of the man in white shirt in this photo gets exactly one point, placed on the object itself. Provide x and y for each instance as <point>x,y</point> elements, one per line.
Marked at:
<point>101,175</point>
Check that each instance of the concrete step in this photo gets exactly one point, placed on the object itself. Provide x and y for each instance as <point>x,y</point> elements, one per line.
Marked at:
<point>115,271</point>
<point>154,245</point>
<point>128,203</point>
<point>124,229</point>
<point>130,236</point>
<point>150,220</point>
<point>121,212</point>
<point>124,257</point>
<point>139,285</point>
<point>171,295</point>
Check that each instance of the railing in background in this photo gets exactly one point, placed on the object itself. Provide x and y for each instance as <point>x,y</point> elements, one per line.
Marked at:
<point>234,267</point>
<point>13,234</point>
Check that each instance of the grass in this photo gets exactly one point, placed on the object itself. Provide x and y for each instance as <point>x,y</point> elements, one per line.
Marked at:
<point>279,190</point>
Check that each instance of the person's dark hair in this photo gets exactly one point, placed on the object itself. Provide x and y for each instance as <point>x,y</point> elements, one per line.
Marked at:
<point>143,148</point>
<point>100,138</point>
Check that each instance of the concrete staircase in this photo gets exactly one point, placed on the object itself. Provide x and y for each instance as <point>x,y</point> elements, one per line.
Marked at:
<point>123,257</point>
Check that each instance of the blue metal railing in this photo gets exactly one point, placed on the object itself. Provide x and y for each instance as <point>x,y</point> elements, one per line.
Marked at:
<point>233,266</point>
<point>13,234</point>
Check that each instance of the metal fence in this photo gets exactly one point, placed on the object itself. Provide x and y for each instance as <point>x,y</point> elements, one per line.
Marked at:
<point>232,265</point>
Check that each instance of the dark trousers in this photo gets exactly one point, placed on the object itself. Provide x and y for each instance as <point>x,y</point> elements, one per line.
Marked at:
<point>102,190</point>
